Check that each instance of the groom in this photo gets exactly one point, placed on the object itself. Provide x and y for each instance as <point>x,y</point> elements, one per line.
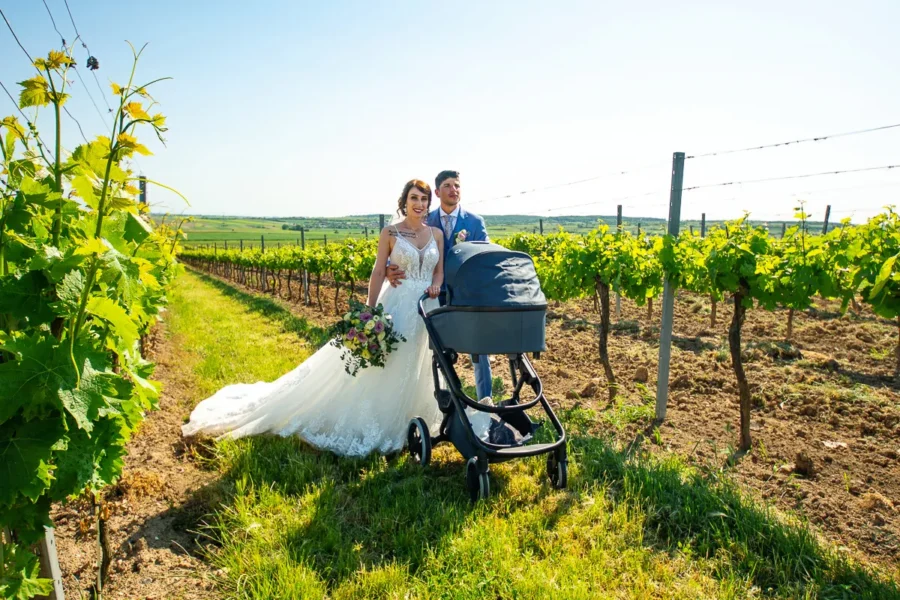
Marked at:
<point>458,225</point>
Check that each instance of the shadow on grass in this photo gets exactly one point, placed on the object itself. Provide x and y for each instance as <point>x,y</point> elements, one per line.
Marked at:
<point>336,516</point>
<point>373,511</point>
<point>884,380</point>
<point>708,516</point>
<point>825,314</point>
<point>271,309</point>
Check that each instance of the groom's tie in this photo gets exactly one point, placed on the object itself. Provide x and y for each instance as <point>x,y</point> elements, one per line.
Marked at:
<point>448,228</point>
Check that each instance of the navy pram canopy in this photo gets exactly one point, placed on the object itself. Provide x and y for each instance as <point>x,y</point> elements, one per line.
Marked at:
<point>494,302</point>
<point>481,274</point>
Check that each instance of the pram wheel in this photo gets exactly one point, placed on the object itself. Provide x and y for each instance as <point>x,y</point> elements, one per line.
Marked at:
<point>418,439</point>
<point>479,483</point>
<point>558,469</point>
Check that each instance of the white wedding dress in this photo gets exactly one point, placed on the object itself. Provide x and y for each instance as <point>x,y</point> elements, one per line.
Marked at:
<point>331,410</point>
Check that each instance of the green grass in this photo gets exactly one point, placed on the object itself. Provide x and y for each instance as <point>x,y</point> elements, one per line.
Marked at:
<point>881,353</point>
<point>210,230</point>
<point>624,413</point>
<point>294,523</point>
<point>230,336</point>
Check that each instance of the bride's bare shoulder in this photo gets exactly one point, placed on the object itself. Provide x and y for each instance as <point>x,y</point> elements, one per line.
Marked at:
<point>391,232</point>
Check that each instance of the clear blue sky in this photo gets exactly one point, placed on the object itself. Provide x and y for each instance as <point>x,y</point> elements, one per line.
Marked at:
<point>327,108</point>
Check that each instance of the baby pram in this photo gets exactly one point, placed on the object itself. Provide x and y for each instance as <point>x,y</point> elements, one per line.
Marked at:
<point>494,306</point>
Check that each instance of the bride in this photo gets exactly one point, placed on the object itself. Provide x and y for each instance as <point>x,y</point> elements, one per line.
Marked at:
<point>318,401</point>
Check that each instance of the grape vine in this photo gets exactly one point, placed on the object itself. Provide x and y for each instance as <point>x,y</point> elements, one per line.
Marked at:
<point>83,276</point>
<point>737,262</point>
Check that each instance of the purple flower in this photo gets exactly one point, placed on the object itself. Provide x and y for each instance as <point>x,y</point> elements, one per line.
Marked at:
<point>365,317</point>
<point>352,334</point>
<point>373,347</point>
<point>379,326</point>
<point>362,337</point>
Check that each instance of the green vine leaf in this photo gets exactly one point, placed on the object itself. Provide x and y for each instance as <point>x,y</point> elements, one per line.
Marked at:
<point>136,229</point>
<point>25,450</point>
<point>35,92</point>
<point>19,574</point>
<point>121,323</point>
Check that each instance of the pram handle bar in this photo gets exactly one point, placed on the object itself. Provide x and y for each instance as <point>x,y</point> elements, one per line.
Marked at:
<point>422,306</point>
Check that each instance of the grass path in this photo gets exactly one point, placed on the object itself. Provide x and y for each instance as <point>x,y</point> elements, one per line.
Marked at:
<point>229,336</point>
<point>294,523</point>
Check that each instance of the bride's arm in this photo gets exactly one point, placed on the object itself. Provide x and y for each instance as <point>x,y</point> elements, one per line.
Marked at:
<point>378,271</point>
<point>437,278</point>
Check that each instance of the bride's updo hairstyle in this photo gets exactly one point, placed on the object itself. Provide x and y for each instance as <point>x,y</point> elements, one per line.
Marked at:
<point>419,185</point>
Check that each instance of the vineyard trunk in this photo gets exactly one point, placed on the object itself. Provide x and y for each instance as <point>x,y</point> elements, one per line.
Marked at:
<point>897,350</point>
<point>649,311</point>
<point>318,290</point>
<point>734,343</point>
<point>712,314</point>
<point>104,551</point>
<point>603,288</point>
<point>337,290</point>
<point>790,326</point>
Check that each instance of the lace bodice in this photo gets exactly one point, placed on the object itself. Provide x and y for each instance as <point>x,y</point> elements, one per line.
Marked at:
<point>417,264</point>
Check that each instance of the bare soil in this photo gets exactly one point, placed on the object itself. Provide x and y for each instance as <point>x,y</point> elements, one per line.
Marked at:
<point>155,511</point>
<point>826,417</point>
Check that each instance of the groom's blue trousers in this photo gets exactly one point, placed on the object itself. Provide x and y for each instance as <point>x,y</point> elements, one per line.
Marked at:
<point>483,376</point>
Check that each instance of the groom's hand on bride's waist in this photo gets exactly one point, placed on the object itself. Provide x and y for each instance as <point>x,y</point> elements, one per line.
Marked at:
<point>394,274</point>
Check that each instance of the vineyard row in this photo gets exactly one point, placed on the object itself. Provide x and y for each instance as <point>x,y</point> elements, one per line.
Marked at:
<point>737,262</point>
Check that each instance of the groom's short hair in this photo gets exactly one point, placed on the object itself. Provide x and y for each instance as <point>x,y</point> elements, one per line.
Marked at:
<point>443,176</point>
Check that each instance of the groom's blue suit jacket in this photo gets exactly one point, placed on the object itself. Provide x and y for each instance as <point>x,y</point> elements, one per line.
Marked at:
<point>472,223</point>
<point>476,232</point>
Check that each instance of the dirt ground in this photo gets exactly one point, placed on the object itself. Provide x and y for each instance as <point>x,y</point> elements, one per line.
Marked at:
<point>826,420</point>
<point>154,511</point>
<point>825,426</point>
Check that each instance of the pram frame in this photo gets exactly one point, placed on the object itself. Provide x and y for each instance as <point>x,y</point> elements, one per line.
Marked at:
<point>454,401</point>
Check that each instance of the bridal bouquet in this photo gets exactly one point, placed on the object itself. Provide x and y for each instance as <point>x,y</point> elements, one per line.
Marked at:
<point>367,336</point>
